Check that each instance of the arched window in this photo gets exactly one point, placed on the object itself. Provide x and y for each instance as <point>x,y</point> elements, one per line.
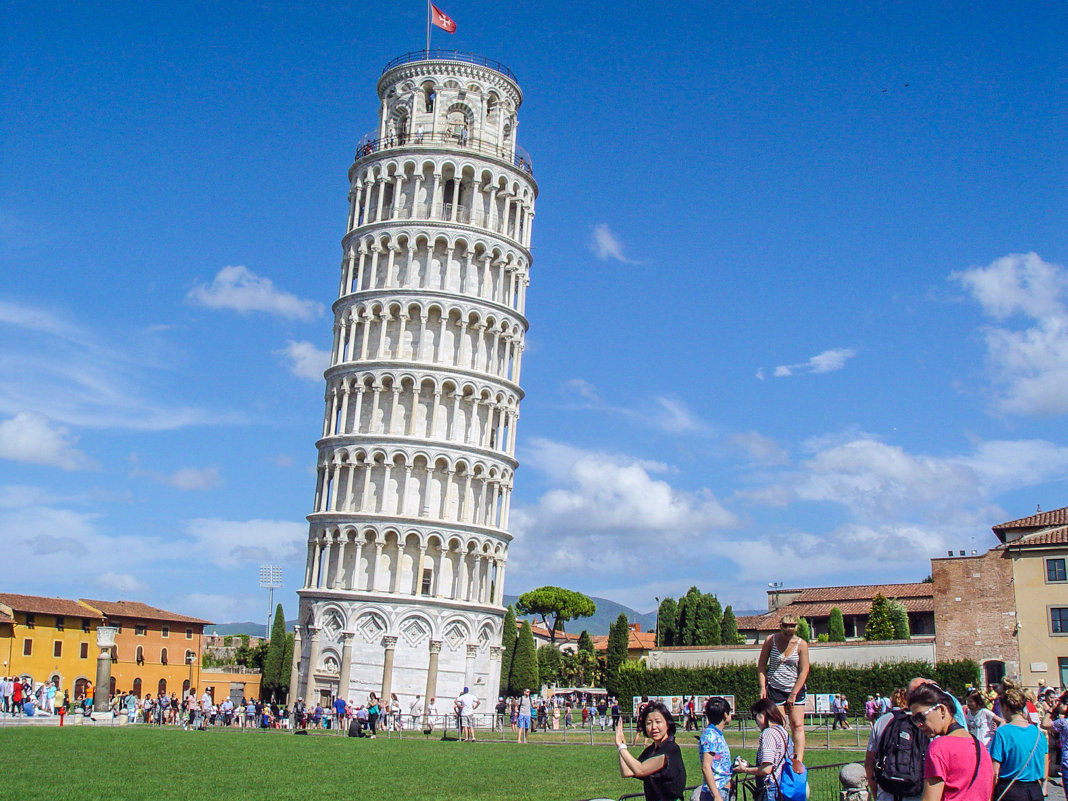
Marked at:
<point>190,657</point>
<point>136,688</point>
<point>163,657</point>
<point>80,686</point>
<point>162,686</point>
<point>185,688</point>
<point>428,96</point>
<point>139,655</point>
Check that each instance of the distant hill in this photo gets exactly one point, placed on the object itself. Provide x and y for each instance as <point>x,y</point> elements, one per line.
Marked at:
<point>607,612</point>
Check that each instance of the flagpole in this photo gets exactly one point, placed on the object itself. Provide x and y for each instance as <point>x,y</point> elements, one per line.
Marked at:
<point>428,29</point>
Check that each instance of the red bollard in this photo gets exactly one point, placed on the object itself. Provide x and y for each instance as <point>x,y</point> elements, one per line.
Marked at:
<point>62,713</point>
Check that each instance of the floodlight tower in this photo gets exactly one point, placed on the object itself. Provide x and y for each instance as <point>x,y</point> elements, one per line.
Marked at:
<point>270,579</point>
<point>409,537</point>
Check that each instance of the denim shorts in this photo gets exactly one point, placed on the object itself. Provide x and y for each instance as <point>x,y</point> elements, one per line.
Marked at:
<point>524,721</point>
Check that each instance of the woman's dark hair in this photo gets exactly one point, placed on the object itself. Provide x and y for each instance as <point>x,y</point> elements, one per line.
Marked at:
<point>932,695</point>
<point>716,709</point>
<point>656,706</point>
<point>767,708</point>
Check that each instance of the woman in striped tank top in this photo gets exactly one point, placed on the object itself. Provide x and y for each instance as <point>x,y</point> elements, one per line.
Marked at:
<point>782,670</point>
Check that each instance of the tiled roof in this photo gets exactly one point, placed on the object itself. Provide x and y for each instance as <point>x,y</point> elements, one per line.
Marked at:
<point>5,617</point>
<point>41,605</point>
<point>136,609</point>
<point>1056,517</point>
<point>1052,536</point>
<point>639,641</point>
<point>770,620</point>
<point>860,592</point>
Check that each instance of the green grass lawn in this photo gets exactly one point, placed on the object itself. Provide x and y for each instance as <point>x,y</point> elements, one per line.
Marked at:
<point>78,763</point>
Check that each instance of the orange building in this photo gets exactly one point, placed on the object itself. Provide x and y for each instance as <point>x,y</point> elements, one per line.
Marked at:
<point>155,650</point>
<point>49,639</point>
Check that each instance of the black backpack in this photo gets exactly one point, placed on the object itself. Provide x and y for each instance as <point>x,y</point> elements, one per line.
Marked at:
<point>900,755</point>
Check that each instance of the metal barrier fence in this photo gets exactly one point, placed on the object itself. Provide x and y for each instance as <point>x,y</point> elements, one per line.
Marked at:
<point>822,782</point>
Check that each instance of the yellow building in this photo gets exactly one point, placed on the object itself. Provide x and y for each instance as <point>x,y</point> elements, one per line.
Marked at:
<point>1038,549</point>
<point>49,639</point>
<point>155,651</point>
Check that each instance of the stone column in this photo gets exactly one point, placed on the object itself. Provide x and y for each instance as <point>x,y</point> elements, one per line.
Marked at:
<point>496,652</point>
<point>346,665</point>
<point>313,660</point>
<point>432,673</point>
<point>294,671</point>
<point>390,641</point>
<point>469,668</point>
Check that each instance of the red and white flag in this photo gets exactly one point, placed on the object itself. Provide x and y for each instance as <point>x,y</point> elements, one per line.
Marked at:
<point>442,20</point>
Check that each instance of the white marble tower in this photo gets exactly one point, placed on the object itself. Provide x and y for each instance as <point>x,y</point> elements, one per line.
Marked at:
<point>409,535</point>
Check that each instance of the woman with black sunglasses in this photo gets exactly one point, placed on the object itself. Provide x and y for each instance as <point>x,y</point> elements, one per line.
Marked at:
<point>957,766</point>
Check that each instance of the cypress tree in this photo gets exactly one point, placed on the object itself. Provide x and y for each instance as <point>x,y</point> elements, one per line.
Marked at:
<point>587,659</point>
<point>585,642</point>
<point>709,617</point>
<point>618,641</point>
<point>509,635</point>
<point>728,628</point>
<point>667,620</point>
<point>524,673</point>
<point>804,630</point>
<point>880,624</point>
<point>688,610</point>
<point>271,680</point>
<point>549,664</point>
<point>835,626</point>
<point>287,668</point>
<point>899,617</point>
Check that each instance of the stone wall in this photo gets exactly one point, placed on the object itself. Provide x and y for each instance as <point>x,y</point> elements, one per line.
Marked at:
<point>975,609</point>
<point>857,653</point>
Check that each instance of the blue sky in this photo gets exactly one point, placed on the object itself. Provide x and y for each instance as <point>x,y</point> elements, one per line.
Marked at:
<point>799,309</point>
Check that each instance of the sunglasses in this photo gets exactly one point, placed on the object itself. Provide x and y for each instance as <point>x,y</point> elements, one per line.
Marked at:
<point>920,718</point>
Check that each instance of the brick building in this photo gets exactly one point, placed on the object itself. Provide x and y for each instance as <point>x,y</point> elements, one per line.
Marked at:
<point>815,605</point>
<point>975,612</point>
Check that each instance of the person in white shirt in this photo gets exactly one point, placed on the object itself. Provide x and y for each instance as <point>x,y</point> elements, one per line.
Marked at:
<point>467,704</point>
<point>981,721</point>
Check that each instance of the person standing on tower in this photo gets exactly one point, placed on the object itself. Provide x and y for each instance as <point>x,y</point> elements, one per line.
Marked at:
<point>782,670</point>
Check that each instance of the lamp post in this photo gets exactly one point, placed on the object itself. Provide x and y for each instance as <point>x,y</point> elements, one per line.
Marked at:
<point>189,661</point>
<point>270,579</point>
<point>656,635</point>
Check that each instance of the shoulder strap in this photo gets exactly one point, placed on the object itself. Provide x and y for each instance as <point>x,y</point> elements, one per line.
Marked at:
<point>978,759</point>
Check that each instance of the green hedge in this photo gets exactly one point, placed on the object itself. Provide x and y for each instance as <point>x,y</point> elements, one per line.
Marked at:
<point>857,683</point>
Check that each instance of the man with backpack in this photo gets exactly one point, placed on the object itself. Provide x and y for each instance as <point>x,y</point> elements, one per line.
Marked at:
<point>895,755</point>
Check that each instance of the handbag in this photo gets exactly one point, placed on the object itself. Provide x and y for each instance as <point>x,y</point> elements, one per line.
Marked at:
<point>793,785</point>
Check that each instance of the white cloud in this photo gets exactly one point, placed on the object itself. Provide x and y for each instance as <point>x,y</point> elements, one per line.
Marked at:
<point>122,583</point>
<point>606,245</point>
<point>305,360</point>
<point>675,417</point>
<point>193,478</point>
<point>240,289</point>
<point>881,484</point>
<point>32,438</point>
<point>230,543</point>
<point>102,385</point>
<point>605,511</point>
<point>826,362</point>
<point>759,448</point>
<point>582,388</point>
<point>1029,366</point>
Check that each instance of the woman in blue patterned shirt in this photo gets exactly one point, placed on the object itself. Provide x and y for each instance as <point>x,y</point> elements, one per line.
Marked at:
<point>714,753</point>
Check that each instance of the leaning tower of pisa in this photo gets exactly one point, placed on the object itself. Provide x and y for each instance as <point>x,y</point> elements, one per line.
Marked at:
<point>408,538</point>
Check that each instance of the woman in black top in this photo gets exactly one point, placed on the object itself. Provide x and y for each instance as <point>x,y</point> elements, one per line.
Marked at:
<point>660,766</point>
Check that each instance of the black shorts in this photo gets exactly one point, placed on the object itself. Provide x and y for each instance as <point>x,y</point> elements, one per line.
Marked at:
<point>778,697</point>
<point>1020,791</point>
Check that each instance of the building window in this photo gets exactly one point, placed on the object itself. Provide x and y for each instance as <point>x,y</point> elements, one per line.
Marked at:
<point>140,629</point>
<point>190,657</point>
<point>1055,570</point>
<point>1058,620</point>
<point>31,620</point>
<point>428,582</point>
<point>57,648</point>
<point>84,650</point>
<point>86,624</point>
<point>61,623</point>
<point>165,631</point>
<point>189,634</point>
<point>27,647</point>
<point>163,657</point>
<point>139,655</point>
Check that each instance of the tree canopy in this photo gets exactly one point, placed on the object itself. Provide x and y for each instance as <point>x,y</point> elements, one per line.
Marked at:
<point>880,622</point>
<point>556,603</point>
<point>835,626</point>
<point>524,673</point>
<point>509,636</point>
